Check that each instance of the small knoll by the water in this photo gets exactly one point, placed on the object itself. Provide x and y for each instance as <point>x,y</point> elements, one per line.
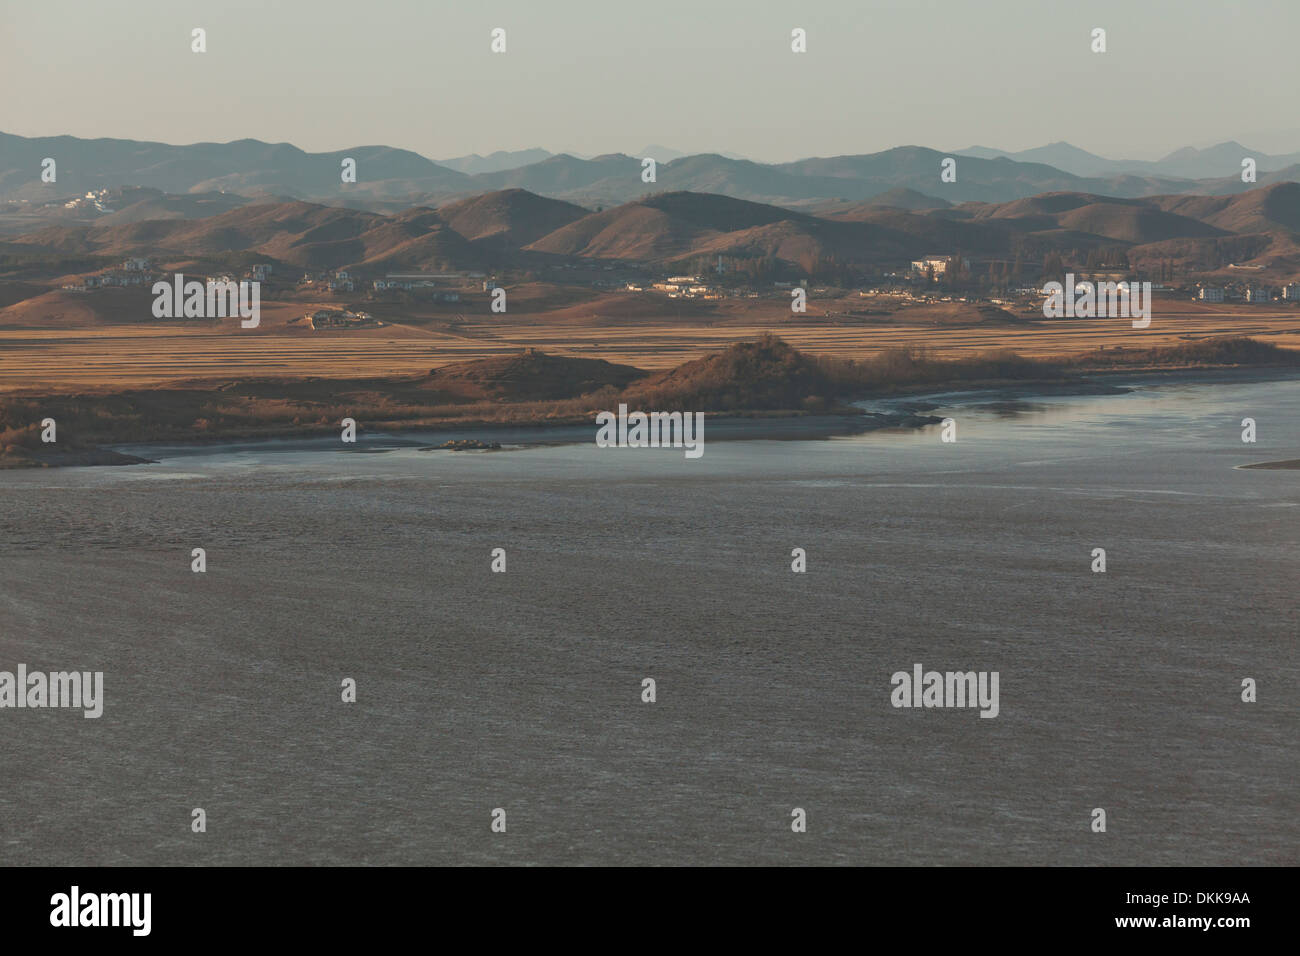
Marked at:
<point>532,376</point>
<point>1219,351</point>
<point>766,374</point>
<point>46,456</point>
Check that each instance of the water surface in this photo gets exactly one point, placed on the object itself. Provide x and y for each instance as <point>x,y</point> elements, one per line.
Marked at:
<point>522,690</point>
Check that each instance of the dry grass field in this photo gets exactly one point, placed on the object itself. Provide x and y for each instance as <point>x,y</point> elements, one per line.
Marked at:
<point>60,340</point>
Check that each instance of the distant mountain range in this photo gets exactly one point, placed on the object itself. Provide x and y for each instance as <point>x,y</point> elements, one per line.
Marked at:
<point>389,180</point>
<point>501,160</point>
<point>1213,162</point>
<point>517,229</point>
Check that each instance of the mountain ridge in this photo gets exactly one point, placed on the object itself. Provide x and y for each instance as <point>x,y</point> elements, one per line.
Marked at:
<point>513,228</point>
<point>388,178</point>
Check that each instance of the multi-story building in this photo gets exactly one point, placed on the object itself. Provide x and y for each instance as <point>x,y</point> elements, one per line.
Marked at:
<point>939,265</point>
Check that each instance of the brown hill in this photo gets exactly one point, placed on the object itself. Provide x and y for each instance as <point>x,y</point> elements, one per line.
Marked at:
<point>907,234</point>
<point>664,226</point>
<point>302,234</point>
<point>250,227</point>
<point>529,377</point>
<point>766,374</point>
<point>139,205</point>
<point>1046,205</point>
<point>626,232</point>
<point>514,227</point>
<point>898,198</point>
<point>14,292</point>
<point>788,241</point>
<point>77,310</point>
<point>1133,223</point>
<point>515,217</point>
<point>1259,210</point>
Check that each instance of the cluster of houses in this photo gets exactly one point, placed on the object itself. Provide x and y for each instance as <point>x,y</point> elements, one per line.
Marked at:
<point>340,319</point>
<point>96,199</point>
<point>1251,293</point>
<point>409,282</point>
<point>132,272</point>
<point>681,287</point>
<point>339,280</point>
<point>137,271</point>
<point>260,272</point>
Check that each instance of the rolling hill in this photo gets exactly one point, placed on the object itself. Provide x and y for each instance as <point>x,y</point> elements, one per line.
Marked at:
<point>514,228</point>
<point>513,217</point>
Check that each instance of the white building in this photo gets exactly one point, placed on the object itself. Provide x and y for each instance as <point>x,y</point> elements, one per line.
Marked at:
<point>1209,293</point>
<point>135,265</point>
<point>1291,292</point>
<point>261,271</point>
<point>1257,294</point>
<point>939,264</point>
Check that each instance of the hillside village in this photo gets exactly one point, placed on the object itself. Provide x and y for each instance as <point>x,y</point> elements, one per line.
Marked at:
<point>928,279</point>
<point>679,256</point>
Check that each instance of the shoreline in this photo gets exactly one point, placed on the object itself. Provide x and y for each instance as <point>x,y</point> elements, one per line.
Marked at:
<point>1290,464</point>
<point>908,412</point>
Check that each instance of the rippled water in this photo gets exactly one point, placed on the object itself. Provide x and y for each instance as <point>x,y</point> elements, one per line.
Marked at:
<point>522,690</point>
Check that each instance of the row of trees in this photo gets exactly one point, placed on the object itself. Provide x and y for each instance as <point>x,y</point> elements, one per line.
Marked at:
<point>1027,265</point>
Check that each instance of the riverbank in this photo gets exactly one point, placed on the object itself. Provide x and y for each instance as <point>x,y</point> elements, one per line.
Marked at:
<point>902,412</point>
<point>762,390</point>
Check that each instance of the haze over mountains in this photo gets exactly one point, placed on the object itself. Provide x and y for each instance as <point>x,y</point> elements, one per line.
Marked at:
<point>1187,163</point>
<point>502,160</point>
<point>389,179</point>
<point>496,162</point>
<point>517,229</point>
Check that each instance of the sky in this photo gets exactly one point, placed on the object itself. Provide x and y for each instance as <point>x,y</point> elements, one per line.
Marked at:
<point>598,76</point>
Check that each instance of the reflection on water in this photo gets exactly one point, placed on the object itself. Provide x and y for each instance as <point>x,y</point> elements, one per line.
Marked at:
<point>523,690</point>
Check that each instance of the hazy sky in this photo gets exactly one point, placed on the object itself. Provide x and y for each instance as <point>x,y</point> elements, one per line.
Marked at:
<point>593,76</point>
